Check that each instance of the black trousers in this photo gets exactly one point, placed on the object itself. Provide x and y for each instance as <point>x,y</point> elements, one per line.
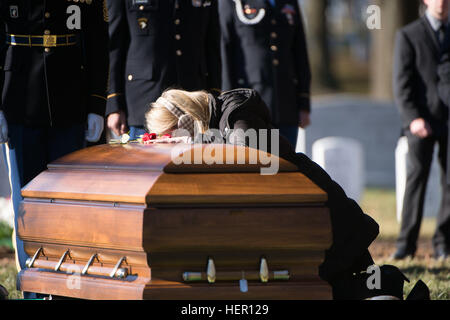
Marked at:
<point>420,155</point>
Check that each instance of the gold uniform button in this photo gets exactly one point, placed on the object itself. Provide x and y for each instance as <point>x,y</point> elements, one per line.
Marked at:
<point>177,21</point>
<point>275,62</point>
<point>273,48</point>
<point>47,32</point>
<point>273,35</point>
<point>177,37</point>
<point>47,49</point>
<point>47,15</point>
<point>179,53</point>
<point>141,8</point>
<point>273,21</point>
<point>130,77</point>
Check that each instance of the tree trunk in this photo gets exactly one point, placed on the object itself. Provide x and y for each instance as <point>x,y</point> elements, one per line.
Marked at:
<point>394,15</point>
<point>319,52</point>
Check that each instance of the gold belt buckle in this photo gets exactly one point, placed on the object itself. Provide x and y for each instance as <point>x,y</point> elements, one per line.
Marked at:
<point>49,41</point>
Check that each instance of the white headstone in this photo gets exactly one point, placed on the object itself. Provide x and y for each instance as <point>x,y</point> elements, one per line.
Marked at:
<point>301,141</point>
<point>343,160</point>
<point>6,211</point>
<point>433,193</point>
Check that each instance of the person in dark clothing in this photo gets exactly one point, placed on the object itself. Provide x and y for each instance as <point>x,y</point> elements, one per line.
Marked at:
<point>353,231</point>
<point>444,82</point>
<point>444,93</point>
<point>264,48</point>
<point>154,45</point>
<point>55,74</point>
<point>53,84</point>
<point>418,50</point>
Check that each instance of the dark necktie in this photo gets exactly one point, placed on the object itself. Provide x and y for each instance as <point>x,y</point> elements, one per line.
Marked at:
<point>441,34</point>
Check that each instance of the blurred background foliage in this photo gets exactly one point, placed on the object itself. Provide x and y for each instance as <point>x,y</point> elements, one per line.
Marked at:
<point>347,56</point>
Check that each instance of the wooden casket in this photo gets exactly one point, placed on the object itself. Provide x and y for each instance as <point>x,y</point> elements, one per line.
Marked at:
<point>130,222</point>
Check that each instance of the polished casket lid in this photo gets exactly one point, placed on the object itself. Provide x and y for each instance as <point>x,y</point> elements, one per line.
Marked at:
<point>163,175</point>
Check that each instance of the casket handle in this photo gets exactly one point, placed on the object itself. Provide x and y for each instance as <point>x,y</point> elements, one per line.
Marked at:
<point>88,264</point>
<point>62,259</point>
<point>30,262</point>
<point>119,273</point>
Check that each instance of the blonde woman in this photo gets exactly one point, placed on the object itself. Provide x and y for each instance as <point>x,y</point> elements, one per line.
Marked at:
<point>353,231</point>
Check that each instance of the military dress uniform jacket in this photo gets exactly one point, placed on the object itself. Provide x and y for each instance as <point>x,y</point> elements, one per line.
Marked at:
<point>55,68</point>
<point>157,44</point>
<point>264,48</point>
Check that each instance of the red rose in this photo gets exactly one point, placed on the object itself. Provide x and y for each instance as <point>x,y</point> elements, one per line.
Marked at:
<point>148,137</point>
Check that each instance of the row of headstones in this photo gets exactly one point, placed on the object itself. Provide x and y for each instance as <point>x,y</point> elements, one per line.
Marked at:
<point>343,159</point>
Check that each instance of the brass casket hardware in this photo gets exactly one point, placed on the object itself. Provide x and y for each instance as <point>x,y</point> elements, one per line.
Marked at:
<point>69,267</point>
<point>212,275</point>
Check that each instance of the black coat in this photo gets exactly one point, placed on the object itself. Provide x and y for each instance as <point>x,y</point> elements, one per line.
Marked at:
<point>416,58</point>
<point>157,44</point>
<point>444,79</point>
<point>54,86</point>
<point>269,56</point>
<point>353,231</point>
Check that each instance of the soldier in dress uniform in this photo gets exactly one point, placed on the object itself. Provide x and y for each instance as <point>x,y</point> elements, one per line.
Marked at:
<point>264,48</point>
<point>55,71</point>
<point>154,45</point>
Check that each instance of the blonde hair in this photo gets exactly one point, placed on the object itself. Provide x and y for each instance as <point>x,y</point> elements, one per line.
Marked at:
<point>160,120</point>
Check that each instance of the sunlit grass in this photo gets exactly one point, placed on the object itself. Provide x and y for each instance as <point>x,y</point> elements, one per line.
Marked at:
<point>380,204</point>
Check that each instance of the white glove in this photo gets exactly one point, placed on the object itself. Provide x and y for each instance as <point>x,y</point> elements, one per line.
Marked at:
<point>3,128</point>
<point>95,127</point>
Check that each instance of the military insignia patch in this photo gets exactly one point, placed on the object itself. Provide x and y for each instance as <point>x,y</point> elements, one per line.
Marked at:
<point>142,23</point>
<point>289,12</point>
<point>14,11</point>
<point>197,3</point>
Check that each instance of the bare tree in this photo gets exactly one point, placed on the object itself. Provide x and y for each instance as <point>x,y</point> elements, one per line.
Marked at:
<point>394,15</point>
<point>319,51</point>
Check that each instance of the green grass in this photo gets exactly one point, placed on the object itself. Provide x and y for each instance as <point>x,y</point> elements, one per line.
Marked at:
<point>8,275</point>
<point>5,230</point>
<point>381,205</point>
<point>435,274</point>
